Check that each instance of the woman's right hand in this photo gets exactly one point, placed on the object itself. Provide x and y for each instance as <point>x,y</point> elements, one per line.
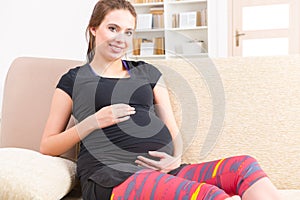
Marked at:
<point>113,114</point>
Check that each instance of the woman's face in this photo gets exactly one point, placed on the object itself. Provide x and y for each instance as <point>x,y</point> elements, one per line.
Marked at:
<point>114,35</point>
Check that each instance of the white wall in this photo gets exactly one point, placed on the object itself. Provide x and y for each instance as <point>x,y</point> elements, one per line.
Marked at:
<point>48,28</point>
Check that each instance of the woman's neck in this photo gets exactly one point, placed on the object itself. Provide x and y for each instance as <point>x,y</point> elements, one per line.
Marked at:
<point>108,68</point>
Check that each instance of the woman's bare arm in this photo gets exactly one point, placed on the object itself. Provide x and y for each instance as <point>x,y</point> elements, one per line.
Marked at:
<point>56,140</point>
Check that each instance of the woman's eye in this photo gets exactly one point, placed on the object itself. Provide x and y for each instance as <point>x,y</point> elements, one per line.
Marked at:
<point>129,33</point>
<point>112,29</point>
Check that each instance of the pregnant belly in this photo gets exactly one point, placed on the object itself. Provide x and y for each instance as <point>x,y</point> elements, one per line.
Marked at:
<point>123,142</point>
<point>143,132</point>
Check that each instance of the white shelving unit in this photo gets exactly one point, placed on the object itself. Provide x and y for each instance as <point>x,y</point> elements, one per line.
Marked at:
<point>185,41</point>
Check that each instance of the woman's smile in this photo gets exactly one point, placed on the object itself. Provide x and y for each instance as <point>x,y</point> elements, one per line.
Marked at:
<point>116,48</point>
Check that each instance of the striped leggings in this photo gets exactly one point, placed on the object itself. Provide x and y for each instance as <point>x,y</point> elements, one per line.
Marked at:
<point>208,181</point>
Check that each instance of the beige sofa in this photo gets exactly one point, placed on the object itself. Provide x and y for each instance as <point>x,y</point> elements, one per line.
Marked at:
<point>224,107</point>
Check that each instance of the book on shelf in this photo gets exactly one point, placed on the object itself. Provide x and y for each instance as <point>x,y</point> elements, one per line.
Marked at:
<point>188,19</point>
<point>203,17</point>
<point>157,17</point>
<point>136,46</point>
<point>144,21</point>
<point>159,46</point>
<point>175,20</point>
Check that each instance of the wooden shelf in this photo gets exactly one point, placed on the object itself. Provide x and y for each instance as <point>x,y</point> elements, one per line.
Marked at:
<point>137,57</point>
<point>188,29</point>
<point>137,5</point>
<point>149,30</point>
<point>186,2</point>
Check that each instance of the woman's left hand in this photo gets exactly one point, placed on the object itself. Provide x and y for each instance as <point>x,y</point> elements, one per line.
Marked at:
<point>165,164</point>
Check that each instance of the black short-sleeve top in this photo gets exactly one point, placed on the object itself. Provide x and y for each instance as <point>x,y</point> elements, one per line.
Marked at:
<point>107,155</point>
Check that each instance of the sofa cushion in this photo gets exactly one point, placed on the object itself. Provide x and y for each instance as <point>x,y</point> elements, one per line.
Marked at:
<point>27,174</point>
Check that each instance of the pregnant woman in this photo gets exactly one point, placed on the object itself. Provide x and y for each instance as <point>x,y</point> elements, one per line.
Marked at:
<point>130,145</point>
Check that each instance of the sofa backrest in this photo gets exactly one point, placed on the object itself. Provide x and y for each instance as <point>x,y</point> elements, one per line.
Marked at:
<point>28,91</point>
<point>262,111</point>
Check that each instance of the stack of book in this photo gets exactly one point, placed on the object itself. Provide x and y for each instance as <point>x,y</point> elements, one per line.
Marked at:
<point>144,21</point>
<point>189,19</point>
<point>146,47</point>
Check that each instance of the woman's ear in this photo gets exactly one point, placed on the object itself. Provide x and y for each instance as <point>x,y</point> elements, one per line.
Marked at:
<point>93,31</point>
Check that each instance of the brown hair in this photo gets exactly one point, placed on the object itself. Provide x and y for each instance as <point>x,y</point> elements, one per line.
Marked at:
<point>101,9</point>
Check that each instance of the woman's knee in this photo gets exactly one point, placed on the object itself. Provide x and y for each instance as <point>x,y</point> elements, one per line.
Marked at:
<point>249,171</point>
<point>248,165</point>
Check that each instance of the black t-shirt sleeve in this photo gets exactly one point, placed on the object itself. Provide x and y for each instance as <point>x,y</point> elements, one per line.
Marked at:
<point>66,82</point>
<point>148,70</point>
<point>154,75</point>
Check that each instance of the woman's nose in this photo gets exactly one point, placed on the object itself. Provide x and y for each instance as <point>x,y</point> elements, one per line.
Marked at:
<point>122,37</point>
